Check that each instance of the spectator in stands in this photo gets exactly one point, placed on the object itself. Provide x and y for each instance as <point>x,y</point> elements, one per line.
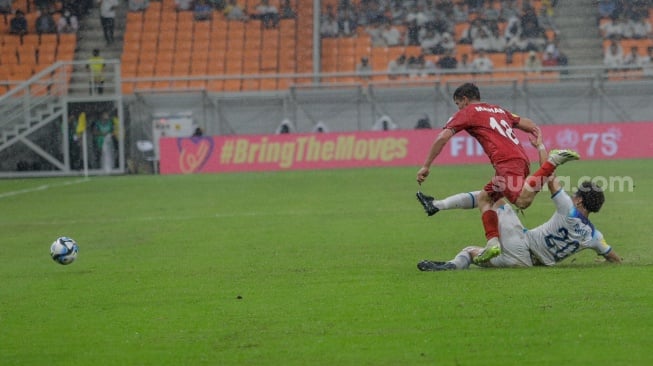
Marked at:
<point>397,13</point>
<point>607,8</point>
<point>532,32</point>
<point>552,46</point>
<point>532,62</point>
<point>107,18</point>
<point>448,61</point>
<point>508,10</point>
<point>202,10</point>
<point>391,35</point>
<point>371,13</point>
<point>546,15</point>
<point>398,67</point>
<point>474,6</point>
<point>6,6</point>
<point>78,7</point>
<point>638,9</point>
<point>286,11</point>
<point>497,42</point>
<point>646,62</point>
<point>347,23</point>
<point>268,14</point>
<point>67,23</point>
<point>430,43</point>
<point>482,63</point>
<point>45,23</point>
<point>363,68</point>
<point>420,67</point>
<point>441,24</point>
<point>329,27</point>
<point>183,5</point>
<point>424,123</point>
<point>218,5</point>
<point>447,42</point>
<point>374,30</point>
<point>41,5</point>
<point>632,59</point>
<point>490,12</point>
<point>445,7</point>
<point>482,41</point>
<point>329,12</point>
<point>614,28</point>
<point>464,65</point>
<point>416,13</point>
<point>550,60</point>
<point>384,123</point>
<point>513,29</point>
<point>346,5</point>
<point>471,32</point>
<point>614,57</point>
<point>412,33</point>
<point>138,5</point>
<point>458,13</point>
<point>18,24</point>
<point>638,28</point>
<point>233,11</point>
<point>285,127</point>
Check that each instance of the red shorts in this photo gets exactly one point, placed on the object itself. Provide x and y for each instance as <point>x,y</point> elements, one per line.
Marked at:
<point>508,180</point>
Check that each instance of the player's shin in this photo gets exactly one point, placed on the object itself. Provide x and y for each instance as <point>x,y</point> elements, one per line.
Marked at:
<point>465,200</point>
<point>490,224</point>
<point>537,180</point>
<point>463,260</point>
<point>493,246</point>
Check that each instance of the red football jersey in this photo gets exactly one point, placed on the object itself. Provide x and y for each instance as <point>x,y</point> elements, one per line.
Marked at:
<point>492,126</point>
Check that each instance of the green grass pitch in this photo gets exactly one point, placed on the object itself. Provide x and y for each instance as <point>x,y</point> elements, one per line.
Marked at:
<point>309,268</point>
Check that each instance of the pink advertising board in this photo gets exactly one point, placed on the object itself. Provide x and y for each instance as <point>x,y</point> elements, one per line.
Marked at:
<point>214,154</point>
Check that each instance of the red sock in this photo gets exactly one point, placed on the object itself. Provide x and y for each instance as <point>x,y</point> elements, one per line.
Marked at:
<point>536,180</point>
<point>490,224</point>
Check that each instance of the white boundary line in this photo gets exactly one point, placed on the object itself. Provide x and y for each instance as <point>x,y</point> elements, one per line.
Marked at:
<point>42,188</point>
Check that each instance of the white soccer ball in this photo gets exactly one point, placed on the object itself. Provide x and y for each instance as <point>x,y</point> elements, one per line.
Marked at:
<point>64,250</point>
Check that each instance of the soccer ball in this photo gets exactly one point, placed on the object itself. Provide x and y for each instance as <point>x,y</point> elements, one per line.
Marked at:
<point>64,250</point>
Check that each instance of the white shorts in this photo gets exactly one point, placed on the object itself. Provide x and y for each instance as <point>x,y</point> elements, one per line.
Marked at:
<point>514,250</point>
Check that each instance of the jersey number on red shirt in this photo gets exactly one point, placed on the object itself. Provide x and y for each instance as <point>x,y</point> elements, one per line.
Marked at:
<point>504,129</point>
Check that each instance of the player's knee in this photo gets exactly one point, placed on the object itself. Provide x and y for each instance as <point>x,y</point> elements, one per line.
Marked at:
<point>472,250</point>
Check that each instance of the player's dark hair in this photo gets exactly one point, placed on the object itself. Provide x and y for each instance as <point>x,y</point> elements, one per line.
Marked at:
<point>468,90</point>
<point>592,196</point>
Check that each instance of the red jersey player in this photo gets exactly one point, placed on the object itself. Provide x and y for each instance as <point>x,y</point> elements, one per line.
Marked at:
<point>492,126</point>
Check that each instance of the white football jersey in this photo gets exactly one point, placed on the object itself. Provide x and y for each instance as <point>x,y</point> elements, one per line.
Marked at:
<point>566,233</point>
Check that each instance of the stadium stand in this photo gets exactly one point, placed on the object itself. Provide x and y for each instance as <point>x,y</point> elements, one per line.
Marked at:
<point>216,47</point>
<point>23,56</point>
<point>630,26</point>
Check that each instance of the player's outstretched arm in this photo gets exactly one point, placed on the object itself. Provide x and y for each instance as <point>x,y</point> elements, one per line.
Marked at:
<point>436,148</point>
<point>527,125</point>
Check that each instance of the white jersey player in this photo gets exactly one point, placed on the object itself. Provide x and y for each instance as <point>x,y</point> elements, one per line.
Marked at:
<point>567,232</point>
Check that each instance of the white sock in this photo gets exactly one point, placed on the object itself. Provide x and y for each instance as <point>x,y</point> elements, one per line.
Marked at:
<point>492,242</point>
<point>461,200</point>
<point>462,260</point>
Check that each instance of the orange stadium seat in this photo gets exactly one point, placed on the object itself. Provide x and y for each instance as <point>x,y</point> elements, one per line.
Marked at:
<point>251,84</point>
<point>215,85</point>
<point>268,84</point>
<point>232,85</point>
